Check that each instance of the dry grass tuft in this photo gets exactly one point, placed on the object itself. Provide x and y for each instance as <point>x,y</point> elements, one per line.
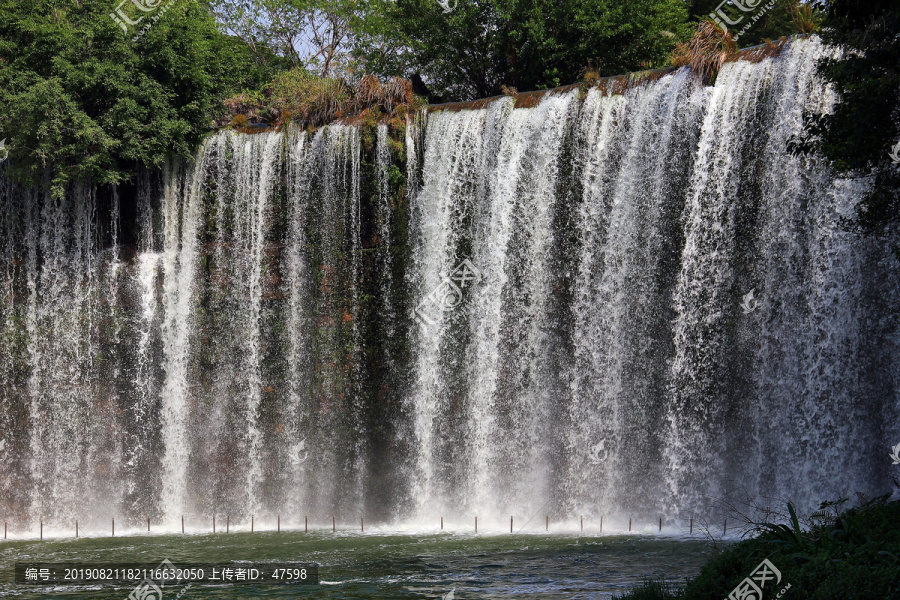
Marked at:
<point>307,98</point>
<point>388,95</point>
<point>706,52</point>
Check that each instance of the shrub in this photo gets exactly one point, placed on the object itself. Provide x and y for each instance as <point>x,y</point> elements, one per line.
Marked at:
<point>299,96</point>
<point>846,554</point>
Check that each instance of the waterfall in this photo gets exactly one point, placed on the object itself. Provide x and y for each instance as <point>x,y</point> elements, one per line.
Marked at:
<point>67,312</point>
<point>181,221</point>
<point>139,439</point>
<point>815,352</point>
<point>297,412</point>
<point>628,242</point>
<point>615,261</point>
<point>255,375</point>
<point>702,379</point>
<point>620,303</point>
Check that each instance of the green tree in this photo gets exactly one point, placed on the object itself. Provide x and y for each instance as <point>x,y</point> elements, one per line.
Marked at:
<point>83,99</point>
<point>861,136</point>
<point>469,49</point>
<point>312,34</point>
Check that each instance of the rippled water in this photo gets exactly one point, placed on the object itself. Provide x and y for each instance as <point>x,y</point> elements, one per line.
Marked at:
<point>386,565</point>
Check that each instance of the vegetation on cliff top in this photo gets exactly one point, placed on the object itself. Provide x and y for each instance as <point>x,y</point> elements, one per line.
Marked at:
<point>81,99</point>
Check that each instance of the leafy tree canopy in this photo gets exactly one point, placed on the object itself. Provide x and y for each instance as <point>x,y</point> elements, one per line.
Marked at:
<point>761,19</point>
<point>81,99</point>
<point>315,35</point>
<point>469,49</point>
<point>861,137</point>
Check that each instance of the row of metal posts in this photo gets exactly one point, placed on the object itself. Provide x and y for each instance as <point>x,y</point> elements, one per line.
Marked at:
<point>362,525</point>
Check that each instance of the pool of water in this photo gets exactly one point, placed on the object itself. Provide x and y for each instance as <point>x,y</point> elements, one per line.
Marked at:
<point>384,565</point>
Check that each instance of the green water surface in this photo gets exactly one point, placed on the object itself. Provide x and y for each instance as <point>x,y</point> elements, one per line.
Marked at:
<point>384,565</point>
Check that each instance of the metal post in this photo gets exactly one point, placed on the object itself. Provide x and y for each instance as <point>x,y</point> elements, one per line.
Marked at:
<point>114,528</point>
<point>442,523</point>
<point>214,523</point>
<point>362,524</point>
<point>148,524</point>
<point>725,528</point>
<point>306,521</point>
<point>42,530</point>
<point>279,523</point>
<point>510,524</point>
<point>251,524</point>
<point>476,524</point>
<point>660,523</point>
<point>692,525</point>
<point>629,523</point>
<point>182,523</point>
<point>548,522</point>
<point>333,524</point>
<point>76,527</point>
<point>601,523</point>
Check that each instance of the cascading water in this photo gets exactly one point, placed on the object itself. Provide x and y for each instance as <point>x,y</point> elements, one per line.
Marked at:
<point>604,304</point>
<point>627,252</point>
<point>603,364</point>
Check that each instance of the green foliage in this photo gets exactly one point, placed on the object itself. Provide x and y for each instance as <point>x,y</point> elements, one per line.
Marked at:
<point>859,135</point>
<point>785,17</point>
<point>81,100</point>
<point>848,555</point>
<point>474,49</point>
